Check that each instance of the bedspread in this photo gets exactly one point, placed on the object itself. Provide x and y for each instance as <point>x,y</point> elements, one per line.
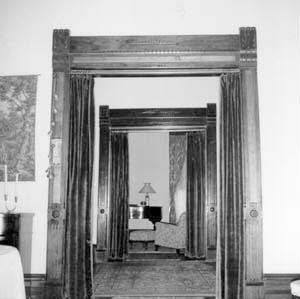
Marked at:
<point>11,274</point>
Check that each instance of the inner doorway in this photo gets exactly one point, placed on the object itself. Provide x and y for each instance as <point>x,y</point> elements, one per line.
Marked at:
<point>136,199</point>
<point>157,277</point>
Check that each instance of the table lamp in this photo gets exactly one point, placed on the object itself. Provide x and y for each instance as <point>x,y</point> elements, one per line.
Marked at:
<point>146,189</point>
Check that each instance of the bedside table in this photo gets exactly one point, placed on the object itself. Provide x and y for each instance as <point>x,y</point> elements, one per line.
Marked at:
<point>16,231</point>
<point>9,229</point>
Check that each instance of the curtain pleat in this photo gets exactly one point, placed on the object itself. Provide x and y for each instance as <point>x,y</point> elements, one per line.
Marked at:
<point>196,194</point>
<point>177,159</point>
<point>78,251</point>
<point>230,270</point>
<point>118,220</point>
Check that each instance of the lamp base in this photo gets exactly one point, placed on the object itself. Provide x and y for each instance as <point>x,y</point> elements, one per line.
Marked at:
<point>147,199</point>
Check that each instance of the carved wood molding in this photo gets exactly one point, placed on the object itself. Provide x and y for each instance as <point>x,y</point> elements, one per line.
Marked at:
<point>154,44</point>
<point>211,165</point>
<point>248,38</point>
<point>211,114</point>
<point>102,215</point>
<point>153,118</point>
<point>104,115</point>
<point>252,184</point>
<point>155,72</point>
<point>159,52</point>
<point>157,60</point>
<point>248,55</point>
<point>57,104</point>
<point>61,50</point>
<point>58,162</point>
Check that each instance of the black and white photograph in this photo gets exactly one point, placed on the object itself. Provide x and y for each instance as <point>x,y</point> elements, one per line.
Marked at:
<point>149,149</point>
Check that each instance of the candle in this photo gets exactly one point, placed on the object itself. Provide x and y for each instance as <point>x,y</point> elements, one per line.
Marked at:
<point>5,178</point>
<point>16,182</point>
<point>5,182</point>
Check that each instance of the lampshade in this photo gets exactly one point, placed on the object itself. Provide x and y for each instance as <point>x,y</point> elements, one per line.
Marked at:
<point>147,188</point>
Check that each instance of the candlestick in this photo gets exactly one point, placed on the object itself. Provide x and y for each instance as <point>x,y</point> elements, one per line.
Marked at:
<point>5,173</point>
<point>16,190</point>
<point>5,181</point>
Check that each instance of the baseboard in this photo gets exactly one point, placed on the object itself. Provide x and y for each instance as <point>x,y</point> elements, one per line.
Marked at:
<point>277,286</point>
<point>34,285</point>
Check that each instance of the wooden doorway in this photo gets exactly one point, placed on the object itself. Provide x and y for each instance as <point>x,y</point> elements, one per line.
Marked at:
<point>151,56</point>
<point>159,119</point>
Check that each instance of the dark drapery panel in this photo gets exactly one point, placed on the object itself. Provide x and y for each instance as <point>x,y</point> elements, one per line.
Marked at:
<point>78,257</point>
<point>196,194</point>
<point>118,220</point>
<point>177,157</point>
<point>230,250</point>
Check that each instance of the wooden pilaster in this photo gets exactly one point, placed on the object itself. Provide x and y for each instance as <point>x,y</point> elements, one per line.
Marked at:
<point>252,166</point>
<point>58,163</point>
<point>102,217</point>
<point>211,204</point>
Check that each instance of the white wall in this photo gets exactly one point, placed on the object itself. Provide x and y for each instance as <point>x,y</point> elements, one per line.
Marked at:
<point>149,163</point>
<point>25,36</point>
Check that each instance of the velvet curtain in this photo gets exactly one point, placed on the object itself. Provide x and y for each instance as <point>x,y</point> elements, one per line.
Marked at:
<point>119,202</point>
<point>177,161</point>
<point>230,272</point>
<point>78,250</point>
<point>196,194</point>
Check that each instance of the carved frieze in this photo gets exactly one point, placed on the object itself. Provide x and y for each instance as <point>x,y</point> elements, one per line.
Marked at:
<point>104,116</point>
<point>154,44</point>
<point>248,38</point>
<point>211,113</point>
<point>61,40</point>
<point>56,214</point>
<point>61,49</point>
<point>57,104</point>
<point>248,55</point>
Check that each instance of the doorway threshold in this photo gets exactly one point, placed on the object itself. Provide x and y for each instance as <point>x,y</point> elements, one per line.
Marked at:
<point>157,297</point>
<point>152,255</point>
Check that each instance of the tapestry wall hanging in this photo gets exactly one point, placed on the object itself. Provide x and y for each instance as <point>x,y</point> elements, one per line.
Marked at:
<point>17,126</point>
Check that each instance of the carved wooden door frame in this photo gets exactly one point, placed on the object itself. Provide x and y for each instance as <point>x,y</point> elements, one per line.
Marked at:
<point>188,55</point>
<point>158,119</point>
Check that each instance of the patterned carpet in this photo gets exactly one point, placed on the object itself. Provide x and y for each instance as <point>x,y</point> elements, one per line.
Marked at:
<point>155,278</point>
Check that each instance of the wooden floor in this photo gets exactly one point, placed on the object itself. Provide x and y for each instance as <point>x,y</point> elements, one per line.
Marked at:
<point>155,297</point>
<point>164,278</point>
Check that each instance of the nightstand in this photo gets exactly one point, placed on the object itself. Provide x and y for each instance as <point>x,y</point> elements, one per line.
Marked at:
<point>16,230</point>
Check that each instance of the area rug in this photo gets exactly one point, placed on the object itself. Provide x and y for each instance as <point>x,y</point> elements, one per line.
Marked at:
<point>155,278</point>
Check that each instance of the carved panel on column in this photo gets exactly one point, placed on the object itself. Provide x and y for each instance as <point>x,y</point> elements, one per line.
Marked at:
<point>253,225</point>
<point>251,167</point>
<point>103,178</point>
<point>211,181</point>
<point>56,215</point>
<point>55,207</point>
<point>61,46</point>
<point>58,86</point>
<point>58,163</point>
<point>248,55</point>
